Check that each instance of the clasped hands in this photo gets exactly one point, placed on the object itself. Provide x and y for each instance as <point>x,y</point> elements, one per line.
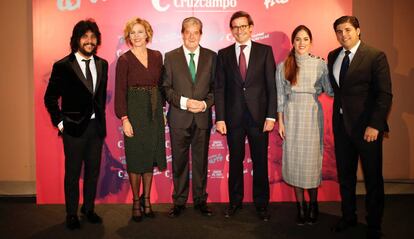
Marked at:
<point>195,106</point>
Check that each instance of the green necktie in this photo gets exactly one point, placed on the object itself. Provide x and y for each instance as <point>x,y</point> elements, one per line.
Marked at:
<point>192,68</point>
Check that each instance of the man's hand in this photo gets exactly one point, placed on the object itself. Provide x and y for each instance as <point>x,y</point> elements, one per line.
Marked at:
<point>268,125</point>
<point>195,106</point>
<point>221,127</point>
<point>371,134</point>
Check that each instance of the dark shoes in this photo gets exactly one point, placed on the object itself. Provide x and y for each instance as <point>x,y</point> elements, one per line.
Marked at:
<point>91,216</point>
<point>176,210</point>
<point>231,210</point>
<point>136,210</point>
<point>263,213</point>
<point>302,216</point>
<point>313,213</point>
<point>204,209</point>
<point>72,222</point>
<point>344,224</point>
<point>373,233</point>
<point>146,207</point>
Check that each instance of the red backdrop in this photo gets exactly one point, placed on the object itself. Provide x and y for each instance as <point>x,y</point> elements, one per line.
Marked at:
<point>274,20</point>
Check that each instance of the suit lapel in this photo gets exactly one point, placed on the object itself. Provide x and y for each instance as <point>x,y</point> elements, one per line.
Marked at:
<point>356,61</point>
<point>331,63</point>
<point>234,66</point>
<point>253,55</point>
<point>182,62</point>
<point>75,66</point>
<point>98,64</point>
<point>201,66</point>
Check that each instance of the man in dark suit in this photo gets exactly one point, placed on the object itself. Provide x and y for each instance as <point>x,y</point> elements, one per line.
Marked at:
<point>79,80</point>
<point>188,84</point>
<point>245,95</point>
<point>360,77</point>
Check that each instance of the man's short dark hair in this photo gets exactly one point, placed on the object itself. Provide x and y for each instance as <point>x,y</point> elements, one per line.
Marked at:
<point>80,29</point>
<point>344,19</point>
<point>241,14</point>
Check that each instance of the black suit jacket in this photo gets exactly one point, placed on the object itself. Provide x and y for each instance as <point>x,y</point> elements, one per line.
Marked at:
<point>78,101</point>
<point>257,92</point>
<point>177,82</point>
<point>365,94</point>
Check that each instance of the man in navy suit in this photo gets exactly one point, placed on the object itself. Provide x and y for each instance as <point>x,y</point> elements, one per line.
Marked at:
<point>245,98</point>
<point>360,77</point>
<point>79,80</point>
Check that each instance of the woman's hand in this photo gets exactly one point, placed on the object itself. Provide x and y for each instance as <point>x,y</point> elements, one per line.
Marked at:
<point>127,128</point>
<point>281,130</point>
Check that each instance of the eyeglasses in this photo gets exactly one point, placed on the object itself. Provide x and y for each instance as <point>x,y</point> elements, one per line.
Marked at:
<point>241,27</point>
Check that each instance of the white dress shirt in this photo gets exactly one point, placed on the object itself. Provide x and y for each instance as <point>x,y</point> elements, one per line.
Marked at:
<point>340,58</point>
<point>183,100</point>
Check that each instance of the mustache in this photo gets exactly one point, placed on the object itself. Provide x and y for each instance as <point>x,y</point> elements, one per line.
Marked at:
<point>91,44</point>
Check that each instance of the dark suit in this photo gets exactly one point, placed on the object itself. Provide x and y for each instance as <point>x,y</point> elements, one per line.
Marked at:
<point>187,128</point>
<point>365,99</point>
<point>82,137</point>
<point>244,106</point>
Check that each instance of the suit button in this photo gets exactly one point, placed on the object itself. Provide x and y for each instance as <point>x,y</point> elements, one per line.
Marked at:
<point>244,89</point>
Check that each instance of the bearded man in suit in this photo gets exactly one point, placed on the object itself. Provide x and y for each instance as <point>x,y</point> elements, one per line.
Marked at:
<point>79,81</point>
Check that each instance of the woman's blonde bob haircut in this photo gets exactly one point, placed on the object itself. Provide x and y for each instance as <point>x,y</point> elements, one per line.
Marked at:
<point>130,24</point>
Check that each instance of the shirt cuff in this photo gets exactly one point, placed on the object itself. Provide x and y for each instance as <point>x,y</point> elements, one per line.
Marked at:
<point>60,126</point>
<point>183,103</point>
<point>205,106</point>
<point>271,119</point>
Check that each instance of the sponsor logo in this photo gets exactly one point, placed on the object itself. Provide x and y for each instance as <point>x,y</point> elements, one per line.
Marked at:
<point>155,172</point>
<point>217,144</point>
<point>167,173</point>
<point>120,144</point>
<point>70,5</point>
<point>122,174</point>
<point>212,159</point>
<point>195,5</point>
<point>216,174</point>
<point>271,3</point>
<point>255,37</point>
<point>122,159</point>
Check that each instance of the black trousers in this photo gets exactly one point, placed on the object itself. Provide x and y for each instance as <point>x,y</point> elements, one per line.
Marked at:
<point>258,142</point>
<point>348,149</point>
<point>86,150</point>
<point>182,140</point>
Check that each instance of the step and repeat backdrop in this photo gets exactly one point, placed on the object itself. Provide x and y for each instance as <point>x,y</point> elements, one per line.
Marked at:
<point>274,20</point>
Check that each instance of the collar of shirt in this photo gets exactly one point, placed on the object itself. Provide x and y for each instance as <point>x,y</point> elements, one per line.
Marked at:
<point>196,55</point>
<point>340,58</point>
<point>352,50</point>
<point>246,51</point>
<point>79,58</point>
<point>92,67</point>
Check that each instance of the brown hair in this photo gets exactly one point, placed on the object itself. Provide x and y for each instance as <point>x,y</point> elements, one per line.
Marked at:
<point>291,66</point>
<point>130,24</point>
<point>241,14</point>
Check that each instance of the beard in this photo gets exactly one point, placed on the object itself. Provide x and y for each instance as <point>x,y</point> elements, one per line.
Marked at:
<point>85,52</point>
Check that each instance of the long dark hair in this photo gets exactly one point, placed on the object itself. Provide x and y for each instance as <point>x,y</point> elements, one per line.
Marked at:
<point>291,67</point>
<point>80,29</point>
